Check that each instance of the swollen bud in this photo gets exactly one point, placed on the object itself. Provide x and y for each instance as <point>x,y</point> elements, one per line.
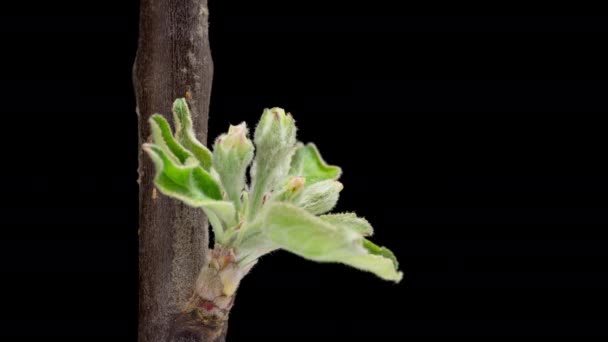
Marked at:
<point>320,197</point>
<point>275,129</point>
<point>232,153</point>
<point>290,191</point>
<point>275,138</point>
<point>236,139</point>
<point>295,184</point>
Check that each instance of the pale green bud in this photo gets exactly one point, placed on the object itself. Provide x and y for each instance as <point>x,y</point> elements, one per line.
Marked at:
<point>290,190</point>
<point>232,153</point>
<point>275,129</point>
<point>236,139</point>
<point>320,197</point>
<point>275,138</point>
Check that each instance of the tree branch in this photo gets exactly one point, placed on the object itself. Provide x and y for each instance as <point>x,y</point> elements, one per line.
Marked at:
<point>173,60</point>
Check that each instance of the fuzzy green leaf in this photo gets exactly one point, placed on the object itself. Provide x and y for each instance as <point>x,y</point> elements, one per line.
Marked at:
<point>184,133</point>
<point>307,163</point>
<point>190,184</point>
<point>377,264</point>
<point>349,221</point>
<point>295,230</point>
<point>381,251</point>
<point>163,137</point>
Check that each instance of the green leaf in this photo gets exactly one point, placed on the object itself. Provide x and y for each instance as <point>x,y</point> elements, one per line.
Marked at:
<point>189,183</point>
<point>372,248</point>
<point>307,163</point>
<point>295,230</point>
<point>320,197</point>
<point>163,137</point>
<point>254,246</point>
<point>184,133</point>
<point>379,265</point>
<point>302,233</point>
<point>349,221</point>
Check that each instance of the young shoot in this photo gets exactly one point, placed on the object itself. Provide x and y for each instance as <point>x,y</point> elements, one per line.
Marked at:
<point>285,207</point>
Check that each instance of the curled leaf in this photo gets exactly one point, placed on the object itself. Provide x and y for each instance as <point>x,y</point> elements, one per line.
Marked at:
<point>189,183</point>
<point>163,137</point>
<point>307,163</point>
<point>184,133</point>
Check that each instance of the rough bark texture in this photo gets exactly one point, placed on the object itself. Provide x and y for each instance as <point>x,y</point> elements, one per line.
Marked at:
<point>173,60</point>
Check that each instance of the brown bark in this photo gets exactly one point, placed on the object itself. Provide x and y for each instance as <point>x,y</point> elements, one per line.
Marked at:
<point>173,60</point>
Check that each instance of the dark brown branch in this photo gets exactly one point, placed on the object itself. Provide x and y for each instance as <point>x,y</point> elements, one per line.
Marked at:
<point>173,60</point>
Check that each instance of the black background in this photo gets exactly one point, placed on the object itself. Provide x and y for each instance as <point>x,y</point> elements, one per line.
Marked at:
<point>474,142</point>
